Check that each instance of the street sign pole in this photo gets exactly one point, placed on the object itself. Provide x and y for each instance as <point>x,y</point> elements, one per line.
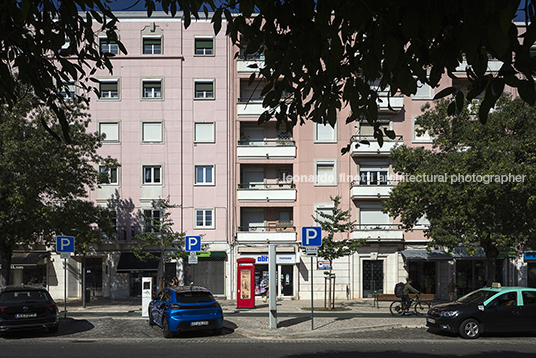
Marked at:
<point>312,302</point>
<point>64,287</point>
<point>193,244</point>
<point>312,240</point>
<point>65,246</point>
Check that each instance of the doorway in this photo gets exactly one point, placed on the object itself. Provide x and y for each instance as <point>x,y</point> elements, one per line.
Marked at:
<point>94,276</point>
<point>372,278</point>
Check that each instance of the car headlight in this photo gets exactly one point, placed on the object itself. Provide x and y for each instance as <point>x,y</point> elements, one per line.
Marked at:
<point>449,314</point>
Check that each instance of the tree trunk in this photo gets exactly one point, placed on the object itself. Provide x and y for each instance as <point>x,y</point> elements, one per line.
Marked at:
<point>5,263</point>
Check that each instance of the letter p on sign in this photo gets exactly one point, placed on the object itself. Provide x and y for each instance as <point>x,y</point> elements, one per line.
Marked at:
<point>312,236</point>
<point>193,243</point>
<point>64,244</point>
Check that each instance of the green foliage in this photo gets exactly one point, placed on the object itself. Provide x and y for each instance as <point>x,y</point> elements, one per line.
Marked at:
<point>159,236</point>
<point>43,184</point>
<point>477,184</point>
<point>338,221</point>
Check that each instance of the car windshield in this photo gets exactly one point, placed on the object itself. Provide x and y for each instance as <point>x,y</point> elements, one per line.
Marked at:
<point>194,297</point>
<point>23,297</point>
<point>477,297</point>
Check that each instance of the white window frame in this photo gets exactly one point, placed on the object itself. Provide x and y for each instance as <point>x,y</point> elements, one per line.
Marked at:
<point>204,52</point>
<point>153,216</point>
<point>204,224</point>
<point>152,168</point>
<point>109,46</point>
<point>118,129</point>
<point>204,95</point>
<point>373,225</point>
<point>148,83</point>
<point>144,135</point>
<point>425,138</point>
<point>196,131</point>
<point>108,81</point>
<point>325,163</point>
<point>322,207</point>
<point>333,138</point>
<point>71,86</point>
<point>204,169</point>
<point>151,38</point>
<point>424,91</point>
<point>110,172</point>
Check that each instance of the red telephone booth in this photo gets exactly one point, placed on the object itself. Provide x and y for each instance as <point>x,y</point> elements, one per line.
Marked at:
<point>245,297</point>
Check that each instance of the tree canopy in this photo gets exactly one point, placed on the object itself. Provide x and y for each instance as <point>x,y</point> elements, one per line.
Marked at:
<point>320,55</point>
<point>477,185</point>
<point>44,186</point>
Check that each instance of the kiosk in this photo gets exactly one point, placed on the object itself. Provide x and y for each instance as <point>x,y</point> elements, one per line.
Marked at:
<point>245,297</point>
<point>146,295</point>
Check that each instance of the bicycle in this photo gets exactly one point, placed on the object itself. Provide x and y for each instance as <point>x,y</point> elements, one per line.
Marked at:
<point>420,307</point>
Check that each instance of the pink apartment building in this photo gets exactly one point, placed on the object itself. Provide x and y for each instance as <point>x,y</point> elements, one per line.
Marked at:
<point>181,119</point>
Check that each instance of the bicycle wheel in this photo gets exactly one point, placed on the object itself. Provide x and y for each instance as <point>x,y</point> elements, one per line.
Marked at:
<point>396,308</point>
<point>421,308</point>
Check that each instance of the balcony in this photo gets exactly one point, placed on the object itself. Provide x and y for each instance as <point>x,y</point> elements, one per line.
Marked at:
<point>393,104</point>
<point>268,149</point>
<point>278,192</point>
<point>378,232</point>
<point>373,148</point>
<point>278,233</point>
<point>493,66</point>
<point>249,107</point>
<point>363,192</point>
<point>119,234</point>
<point>243,65</point>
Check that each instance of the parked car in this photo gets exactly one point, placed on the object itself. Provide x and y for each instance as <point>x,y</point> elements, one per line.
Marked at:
<point>185,308</point>
<point>491,309</point>
<point>27,307</point>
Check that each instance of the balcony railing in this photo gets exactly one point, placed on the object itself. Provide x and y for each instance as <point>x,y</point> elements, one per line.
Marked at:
<point>381,190</point>
<point>378,232</point>
<point>277,227</point>
<point>373,147</point>
<point>275,185</point>
<point>267,192</point>
<point>270,148</point>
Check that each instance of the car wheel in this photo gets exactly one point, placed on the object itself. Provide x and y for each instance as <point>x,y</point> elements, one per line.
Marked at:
<point>470,328</point>
<point>421,308</point>
<point>151,320</point>
<point>396,308</point>
<point>217,331</point>
<point>165,328</point>
<point>54,329</point>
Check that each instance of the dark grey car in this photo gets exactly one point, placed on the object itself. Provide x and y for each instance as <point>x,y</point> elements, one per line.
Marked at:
<point>27,307</point>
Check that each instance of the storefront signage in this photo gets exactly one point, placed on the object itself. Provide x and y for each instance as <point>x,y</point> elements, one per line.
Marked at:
<point>530,256</point>
<point>14,267</point>
<point>279,259</point>
<point>324,265</point>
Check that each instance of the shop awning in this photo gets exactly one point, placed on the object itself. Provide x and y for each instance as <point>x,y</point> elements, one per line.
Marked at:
<point>27,259</point>
<point>426,256</point>
<point>212,254</point>
<point>128,262</point>
<point>460,252</point>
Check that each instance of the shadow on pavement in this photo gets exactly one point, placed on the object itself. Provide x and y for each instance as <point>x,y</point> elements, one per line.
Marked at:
<point>68,326</point>
<point>293,322</point>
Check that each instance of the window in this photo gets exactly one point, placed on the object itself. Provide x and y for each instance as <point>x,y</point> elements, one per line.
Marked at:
<point>109,46</point>
<point>204,174</point>
<point>372,217</point>
<point>204,132</point>
<point>424,91</point>
<point>151,132</point>
<point>110,131</point>
<point>204,218</point>
<point>366,131</point>
<point>110,172</point>
<point>151,220</point>
<point>152,46</point>
<point>325,133</point>
<point>152,174</point>
<point>152,89</point>
<point>376,174</point>
<point>109,89</point>
<point>325,173</point>
<point>204,89</point>
<point>418,134</point>
<point>323,209</point>
<point>68,89</point>
<point>204,46</point>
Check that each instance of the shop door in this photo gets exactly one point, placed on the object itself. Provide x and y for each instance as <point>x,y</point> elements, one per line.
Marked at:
<point>372,278</point>
<point>287,286</point>
<point>94,276</point>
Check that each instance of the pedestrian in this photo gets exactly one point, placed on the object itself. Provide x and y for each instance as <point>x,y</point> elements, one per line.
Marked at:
<point>264,289</point>
<point>174,281</point>
<point>451,289</point>
<point>405,295</point>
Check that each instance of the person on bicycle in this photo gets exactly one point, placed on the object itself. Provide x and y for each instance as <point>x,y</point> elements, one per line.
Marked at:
<point>405,295</point>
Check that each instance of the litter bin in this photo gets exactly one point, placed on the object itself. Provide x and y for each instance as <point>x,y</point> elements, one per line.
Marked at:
<point>88,293</point>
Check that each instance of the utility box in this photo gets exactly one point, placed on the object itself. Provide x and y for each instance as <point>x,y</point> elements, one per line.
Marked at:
<point>146,295</point>
<point>245,296</point>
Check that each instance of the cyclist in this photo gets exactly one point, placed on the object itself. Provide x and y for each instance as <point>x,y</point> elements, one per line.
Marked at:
<point>405,295</point>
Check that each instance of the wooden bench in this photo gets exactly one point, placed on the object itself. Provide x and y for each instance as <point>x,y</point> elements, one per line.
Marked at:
<point>389,297</point>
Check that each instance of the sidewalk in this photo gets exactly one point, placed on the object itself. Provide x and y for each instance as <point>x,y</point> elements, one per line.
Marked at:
<point>293,317</point>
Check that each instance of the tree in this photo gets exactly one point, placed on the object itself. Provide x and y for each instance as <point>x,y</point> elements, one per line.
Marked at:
<point>337,221</point>
<point>158,233</point>
<point>43,185</point>
<point>320,56</point>
<point>476,186</point>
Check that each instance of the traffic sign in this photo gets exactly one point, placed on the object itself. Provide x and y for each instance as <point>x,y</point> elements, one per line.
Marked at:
<point>192,259</point>
<point>312,236</point>
<point>311,251</point>
<point>65,255</point>
<point>64,243</point>
<point>193,243</point>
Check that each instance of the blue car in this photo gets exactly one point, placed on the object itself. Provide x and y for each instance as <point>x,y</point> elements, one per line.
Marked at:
<point>185,308</point>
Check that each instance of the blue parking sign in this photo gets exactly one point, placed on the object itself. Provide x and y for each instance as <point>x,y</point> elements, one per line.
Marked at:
<point>193,243</point>
<point>312,236</point>
<point>64,243</point>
